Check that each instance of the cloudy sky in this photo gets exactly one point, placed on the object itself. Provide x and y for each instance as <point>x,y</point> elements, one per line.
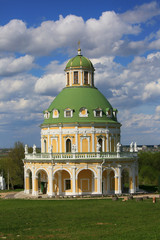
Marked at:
<point>122,39</point>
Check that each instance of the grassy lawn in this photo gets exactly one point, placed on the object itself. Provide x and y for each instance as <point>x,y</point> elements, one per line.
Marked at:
<point>79,219</point>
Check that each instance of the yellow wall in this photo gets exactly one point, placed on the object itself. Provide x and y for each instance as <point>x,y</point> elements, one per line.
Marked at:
<point>85,145</point>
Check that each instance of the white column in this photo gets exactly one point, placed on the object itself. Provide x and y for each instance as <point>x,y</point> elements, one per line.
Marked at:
<point>107,142</point>
<point>50,193</point>
<point>103,144</point>
<point>93,142</point>
<point>76,132</point>
<point>119,191</point>
<point>110,143</point>
<point>60,182</point>
<point>34,193</point>
<point>99,180</point>
<point>74,180</point>
<point>60,135</point>
<point>81,76</point>
<point>48,139</point>
<point>133,189</point>
<point>25,179</point>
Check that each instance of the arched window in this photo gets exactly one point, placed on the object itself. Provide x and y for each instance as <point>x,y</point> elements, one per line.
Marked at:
<point>67,78</point>
<point>45,146</point>
<point>76,77</point>
<point>68,145</point>
<point>100,143</point>
<point>85,78</point>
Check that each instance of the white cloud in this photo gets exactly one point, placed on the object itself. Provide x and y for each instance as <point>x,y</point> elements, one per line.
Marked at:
<point>99,37</point>
<point>17,86</point>
<point>50,84</point>
<point>10,65</point>
<point>152,89</point>
<point>141,13</point>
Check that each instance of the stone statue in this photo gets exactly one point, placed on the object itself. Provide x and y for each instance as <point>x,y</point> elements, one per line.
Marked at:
<point>98,147</point>
<point>119,147</point>
<point>34,149</point>
<point>26,149</point>
<point>73,148</point>
<point>131,147</point>
<point>135,147</point>
<point>51,148</point>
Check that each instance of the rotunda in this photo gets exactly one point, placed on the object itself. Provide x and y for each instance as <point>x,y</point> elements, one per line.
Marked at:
<point>80,142</point>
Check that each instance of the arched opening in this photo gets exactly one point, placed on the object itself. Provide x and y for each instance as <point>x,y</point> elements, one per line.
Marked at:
<point>86,183</point>
<point>68,145</point>
<point>100,143</point>
<point>30,182</point>
<point>62,184</point>
<point>108,181</point>
<point>42,182</point>
<point>112,182</point>
<point>125,181</point>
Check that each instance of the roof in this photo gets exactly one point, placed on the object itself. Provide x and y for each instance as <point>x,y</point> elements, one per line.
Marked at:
<point>76,98</point>
<point>79,61</point>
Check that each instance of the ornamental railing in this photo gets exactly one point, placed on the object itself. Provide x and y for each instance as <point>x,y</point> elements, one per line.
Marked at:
<point>70,156</point>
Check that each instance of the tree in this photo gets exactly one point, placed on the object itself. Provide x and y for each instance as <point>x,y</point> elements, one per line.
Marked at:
<point>15,165</point>
<point>149,168</point>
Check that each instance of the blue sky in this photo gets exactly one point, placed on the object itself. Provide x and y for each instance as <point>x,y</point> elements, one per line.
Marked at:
<point>122,39</point>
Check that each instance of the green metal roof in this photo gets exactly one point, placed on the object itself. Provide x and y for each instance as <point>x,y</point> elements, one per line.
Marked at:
<point>79,61</point>
<point>75,98</point>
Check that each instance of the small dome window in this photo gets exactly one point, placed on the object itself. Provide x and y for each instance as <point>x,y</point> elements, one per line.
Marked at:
<point>68,112</point>
<point>46,114</point>
<point>68,80</point>
<point>98,112</point>
<point>109,112</point>
<point>83,112</point>
<point>115,111</point>
<point>55,113</point>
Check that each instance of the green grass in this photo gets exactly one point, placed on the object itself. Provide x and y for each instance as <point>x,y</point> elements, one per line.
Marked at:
<point>79,219</point>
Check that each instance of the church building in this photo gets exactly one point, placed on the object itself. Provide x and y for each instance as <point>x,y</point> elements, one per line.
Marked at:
<point>81,152</point>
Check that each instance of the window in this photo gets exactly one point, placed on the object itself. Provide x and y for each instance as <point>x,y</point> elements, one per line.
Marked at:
<point>55,113</point>
<point>75,77</point>
<point>68,112</point>
<point>83,112</point>
<point>109,112</point>
<point>46,115</point>
<point>67,184</point>
<point>45,146</point>
<point>100,143</point>
<point>68,145</point>
<point>67,78</point>
<point>98,112</point>
<point>85,77</point>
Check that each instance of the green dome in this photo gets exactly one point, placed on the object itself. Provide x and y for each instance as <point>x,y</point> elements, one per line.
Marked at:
<point>79,62</point>
<point>76,98</point>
